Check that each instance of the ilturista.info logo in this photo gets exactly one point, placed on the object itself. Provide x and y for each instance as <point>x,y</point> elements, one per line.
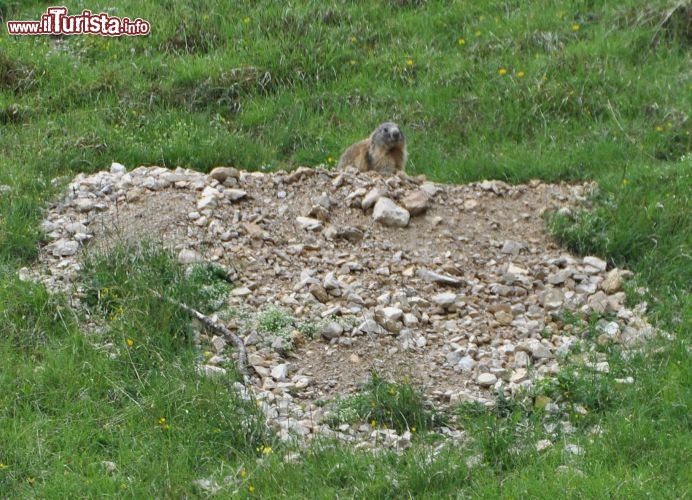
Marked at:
<point>56,21</point>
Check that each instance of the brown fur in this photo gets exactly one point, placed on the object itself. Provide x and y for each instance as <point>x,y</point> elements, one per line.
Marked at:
<point>384,151</point>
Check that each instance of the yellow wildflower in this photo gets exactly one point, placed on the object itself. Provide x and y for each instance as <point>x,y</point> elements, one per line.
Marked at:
<point>130,342</point>
<point>413,429</point>
<point>502,71</point>
<point>243,473</point>
<point>373,423</point>
<point>3,466</point>
<point>246,20</point>
<point>354,39</point>
<point>477,33</point>
<point>520,74</point>
<point>461,41</point>
<point>251,489</point>
<point>409,62</point>
<point>659,128</point>
<point>575,27</point>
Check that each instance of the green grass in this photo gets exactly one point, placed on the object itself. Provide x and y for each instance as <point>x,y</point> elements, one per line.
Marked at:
<point>557,90</point>
<point>381,403</point>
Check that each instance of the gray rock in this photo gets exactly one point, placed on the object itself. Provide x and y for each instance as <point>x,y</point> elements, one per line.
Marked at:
<point>453,357</point>
<point>512,247</point>
<point>309,223</point>
<point>444,299</point>
<point>241,291</point>
<point>430,189</point>
<point>371,198</point>
<point>370,327</point>
<point>331,330</point>
<point>521,359</point>
<point>467,364</point>
<point>560,277</point>
<point>519,376</point>
<point>76,227</point>
<point>117,168</point>
<point>416,202</point>
<point>392,313</point>
<point>441,279</point>
<point>596,263</point>
<point>281,346</point>
<point>235,194</point>
<point>552,298</point>
<point>389,214</point>
<point>598,302</point>
<point>331,282</point>
<point>206,202</point>
<point>486,379</point>
<point>84,204</point>
<point>539,351</point>
<point>280,372</point>
<point>64,248</point>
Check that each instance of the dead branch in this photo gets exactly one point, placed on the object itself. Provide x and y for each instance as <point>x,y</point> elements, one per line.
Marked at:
<point>218,328</point>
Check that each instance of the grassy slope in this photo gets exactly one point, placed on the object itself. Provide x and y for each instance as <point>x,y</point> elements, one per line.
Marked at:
<point>587,91</point>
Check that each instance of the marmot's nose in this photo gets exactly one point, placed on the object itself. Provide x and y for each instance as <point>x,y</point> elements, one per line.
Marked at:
<point>396,134</point>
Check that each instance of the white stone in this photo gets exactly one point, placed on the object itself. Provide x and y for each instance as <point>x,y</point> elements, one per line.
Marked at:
<point>371,198</point>
<point>280,372</point>
<point>64,248</point>
<point>235,194</point>
<point>467,364</point>
<point>444,299</point>
<point>388,213</point>
<point>595,262</point>
<point>309,223</point>
<point>486,379</point>
<point>206,202</point>
<point>117,168</point>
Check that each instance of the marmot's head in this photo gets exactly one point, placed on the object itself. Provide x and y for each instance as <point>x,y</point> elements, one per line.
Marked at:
<point>388,135</point>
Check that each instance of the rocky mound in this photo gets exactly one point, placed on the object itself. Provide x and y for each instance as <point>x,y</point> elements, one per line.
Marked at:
<point>458,288</point>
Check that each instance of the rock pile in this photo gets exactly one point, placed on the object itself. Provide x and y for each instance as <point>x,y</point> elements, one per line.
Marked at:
<point>458,288</point>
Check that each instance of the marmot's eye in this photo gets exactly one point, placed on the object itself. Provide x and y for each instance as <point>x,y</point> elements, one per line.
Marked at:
<point>386,130</point>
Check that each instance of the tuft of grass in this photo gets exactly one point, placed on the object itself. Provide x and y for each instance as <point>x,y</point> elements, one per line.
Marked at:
<point>389,405</point>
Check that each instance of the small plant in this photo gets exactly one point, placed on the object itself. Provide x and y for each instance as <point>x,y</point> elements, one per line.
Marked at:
<point>212,284</point>
<point>275,320</point>
<point>390,405</point>
<point>500,431</point>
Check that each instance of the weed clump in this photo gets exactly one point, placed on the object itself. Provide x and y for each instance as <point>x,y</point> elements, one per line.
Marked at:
<point>382,403</point>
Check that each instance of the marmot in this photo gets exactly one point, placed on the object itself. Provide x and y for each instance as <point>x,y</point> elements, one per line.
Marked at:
<point>384,151</point>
